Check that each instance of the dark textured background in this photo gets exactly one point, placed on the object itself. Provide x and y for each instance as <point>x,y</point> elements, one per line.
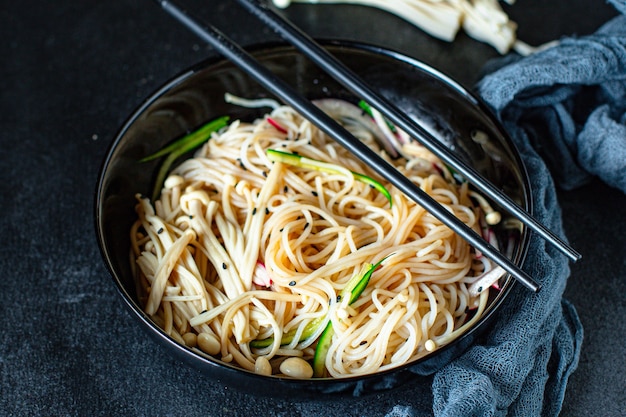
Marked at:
<point>71,72</point>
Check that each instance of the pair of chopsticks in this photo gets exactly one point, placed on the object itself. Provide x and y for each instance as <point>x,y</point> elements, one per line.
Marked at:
<point>351,81</point>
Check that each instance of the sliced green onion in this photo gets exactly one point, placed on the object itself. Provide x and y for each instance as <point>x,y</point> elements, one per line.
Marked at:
<point>308,163</point>
<point>181,146</point>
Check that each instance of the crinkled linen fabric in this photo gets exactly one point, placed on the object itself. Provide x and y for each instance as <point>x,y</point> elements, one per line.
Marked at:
<point>565,110</point>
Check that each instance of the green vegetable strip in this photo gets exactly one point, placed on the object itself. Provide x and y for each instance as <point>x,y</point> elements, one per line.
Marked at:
<point>358,289</point>
<point>287,338</point>
<point>354,288</point>
<point>203,132</point>
<point>308,163</point>
<point>180,147</point>
<point>457,177</point>
<point>323,345</point>
<point>368,110</point>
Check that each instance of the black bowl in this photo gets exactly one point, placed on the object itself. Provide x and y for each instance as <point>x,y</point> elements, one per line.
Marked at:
<point>197,95</point>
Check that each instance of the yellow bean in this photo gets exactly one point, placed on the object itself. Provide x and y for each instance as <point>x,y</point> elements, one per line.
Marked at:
<point>296,368</point>
<point>190,339</point>
<point>262,366</point>
<point>208,343</point>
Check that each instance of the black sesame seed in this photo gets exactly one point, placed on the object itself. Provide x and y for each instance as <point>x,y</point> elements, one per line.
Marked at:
<point>265,174</point>
<point>338,298</point>
<point>254,211</point>
<point>160,230</point>
<point>286,189</point>
<point>292,283</point>
<point>281,229</point>
<point>363,342</point>
<point>267,211</point>
<point>306,225</point>
<point>224,266</point>
<point>314,193</point>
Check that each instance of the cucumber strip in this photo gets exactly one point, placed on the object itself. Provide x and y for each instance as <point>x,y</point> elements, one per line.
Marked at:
<point>354,288</point>
<point>287,338</point>
<point>362,283</point>
<point>321,351</point>
<point>203,131</point>
<point>308,163</point>
<point>180,147</point>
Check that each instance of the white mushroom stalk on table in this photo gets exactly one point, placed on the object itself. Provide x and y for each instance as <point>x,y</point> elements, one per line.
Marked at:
<point>483,20</point>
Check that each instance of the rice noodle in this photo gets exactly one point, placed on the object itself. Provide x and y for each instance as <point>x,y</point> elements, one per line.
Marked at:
<point>229,211</point>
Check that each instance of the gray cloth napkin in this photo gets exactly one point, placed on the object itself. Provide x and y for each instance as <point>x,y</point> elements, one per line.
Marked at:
<point>565,110</point>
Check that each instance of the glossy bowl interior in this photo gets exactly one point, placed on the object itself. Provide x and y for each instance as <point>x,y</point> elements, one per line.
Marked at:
<point>197,95</point>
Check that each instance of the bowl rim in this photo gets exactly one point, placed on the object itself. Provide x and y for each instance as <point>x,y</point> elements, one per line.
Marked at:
<point>261,49</point>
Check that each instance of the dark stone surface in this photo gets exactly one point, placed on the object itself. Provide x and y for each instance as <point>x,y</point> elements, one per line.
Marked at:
<point>71,72</point>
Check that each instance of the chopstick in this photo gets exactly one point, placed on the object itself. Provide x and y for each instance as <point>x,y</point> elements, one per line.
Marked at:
<point>354,83</point>
<point>287,94</point>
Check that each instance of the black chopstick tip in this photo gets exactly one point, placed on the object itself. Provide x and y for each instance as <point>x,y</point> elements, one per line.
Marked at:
<point>529,284</point>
